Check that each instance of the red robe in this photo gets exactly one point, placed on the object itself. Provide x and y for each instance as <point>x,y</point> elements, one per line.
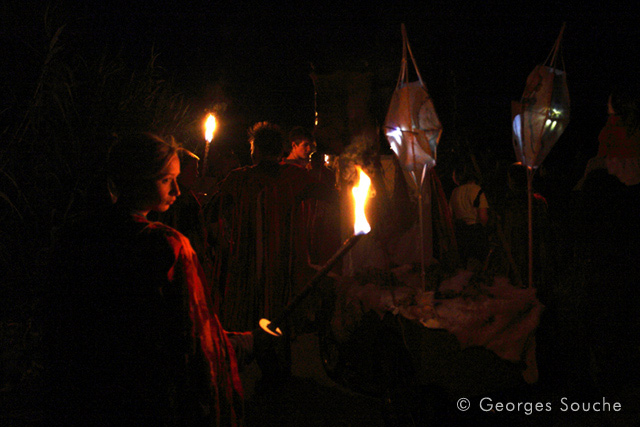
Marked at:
<point>615,142</point>
<point>136,339</point>
<point>259,238</point>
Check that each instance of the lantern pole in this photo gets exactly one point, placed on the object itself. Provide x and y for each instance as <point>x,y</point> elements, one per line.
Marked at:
<point>530,172</point>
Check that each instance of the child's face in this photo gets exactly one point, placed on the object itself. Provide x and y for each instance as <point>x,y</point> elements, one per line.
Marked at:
<point>164,190</point>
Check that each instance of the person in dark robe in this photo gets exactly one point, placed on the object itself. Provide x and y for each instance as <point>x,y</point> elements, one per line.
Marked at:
<point>133,338</point>
<point>258,226</point>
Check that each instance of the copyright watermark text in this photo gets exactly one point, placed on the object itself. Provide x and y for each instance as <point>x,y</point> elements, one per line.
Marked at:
<point>565,404</point>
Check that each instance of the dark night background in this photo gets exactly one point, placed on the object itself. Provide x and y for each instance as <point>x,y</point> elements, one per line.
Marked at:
<point>251,60</point>
<point>256,56</point>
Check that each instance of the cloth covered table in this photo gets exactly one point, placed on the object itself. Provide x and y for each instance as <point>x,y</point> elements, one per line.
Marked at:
<point>470,323</point>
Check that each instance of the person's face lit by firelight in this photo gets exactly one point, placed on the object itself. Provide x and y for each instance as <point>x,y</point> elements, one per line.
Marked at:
<point>301,150</point>
<point>164,190</point>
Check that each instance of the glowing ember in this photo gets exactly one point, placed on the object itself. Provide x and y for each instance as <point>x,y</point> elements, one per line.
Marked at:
<point>360,192</point>
<point>209,127</point>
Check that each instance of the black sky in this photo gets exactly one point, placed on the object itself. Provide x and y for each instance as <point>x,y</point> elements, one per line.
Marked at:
<point>472,54</point>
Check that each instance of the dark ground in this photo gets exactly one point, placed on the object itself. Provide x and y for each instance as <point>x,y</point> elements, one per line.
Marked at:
<point>311,398</point>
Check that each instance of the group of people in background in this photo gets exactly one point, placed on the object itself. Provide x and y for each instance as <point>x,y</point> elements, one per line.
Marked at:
<point>143,308</point>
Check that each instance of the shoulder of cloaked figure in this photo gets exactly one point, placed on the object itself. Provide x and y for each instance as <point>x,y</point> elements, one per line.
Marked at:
<point>174,238</point>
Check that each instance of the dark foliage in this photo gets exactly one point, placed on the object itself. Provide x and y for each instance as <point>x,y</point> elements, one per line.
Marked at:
<point>62,107</point>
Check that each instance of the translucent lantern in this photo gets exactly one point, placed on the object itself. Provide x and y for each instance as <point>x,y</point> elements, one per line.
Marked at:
<point>541,116</point>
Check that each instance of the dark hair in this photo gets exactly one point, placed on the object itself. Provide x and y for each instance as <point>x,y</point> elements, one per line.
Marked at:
<point>135,160</point>
<point>267,137</point>
<point>465,173</point>
<point>300,133</point>
<point>317,158</point>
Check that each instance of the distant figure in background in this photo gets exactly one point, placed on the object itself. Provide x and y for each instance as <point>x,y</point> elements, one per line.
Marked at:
<point>302,145</point>
<point>134,339</point>
<point>516,227</point>
<point>470,211</point>
<point>319,170</point>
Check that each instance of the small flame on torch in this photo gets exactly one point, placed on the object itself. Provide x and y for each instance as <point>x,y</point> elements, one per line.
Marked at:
<point>360,192</point>
<point>209,127</point>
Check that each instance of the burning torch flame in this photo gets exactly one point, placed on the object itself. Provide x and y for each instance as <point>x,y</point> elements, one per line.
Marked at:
<point>209,127</point>
<point>360,192</point>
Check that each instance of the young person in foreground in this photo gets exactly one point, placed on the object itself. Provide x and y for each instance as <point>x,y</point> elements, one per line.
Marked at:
<point>136,338</point>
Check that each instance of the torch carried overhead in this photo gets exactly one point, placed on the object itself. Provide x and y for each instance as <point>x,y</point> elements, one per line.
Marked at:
<point>209,131</point>
<point>538,121</point>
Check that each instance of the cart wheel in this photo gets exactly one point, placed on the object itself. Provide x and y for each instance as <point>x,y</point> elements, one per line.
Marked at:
<point>352,363</point>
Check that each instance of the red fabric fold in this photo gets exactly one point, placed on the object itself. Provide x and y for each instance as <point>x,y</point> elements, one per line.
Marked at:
<point>615,142</point>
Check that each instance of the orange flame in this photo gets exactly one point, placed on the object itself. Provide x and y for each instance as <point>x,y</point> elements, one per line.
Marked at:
<point>360,193</point>
<point>209,127</point>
